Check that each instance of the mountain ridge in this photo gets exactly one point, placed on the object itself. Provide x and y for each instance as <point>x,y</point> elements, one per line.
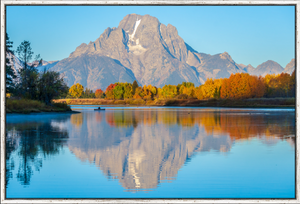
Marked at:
<point>143,49</point>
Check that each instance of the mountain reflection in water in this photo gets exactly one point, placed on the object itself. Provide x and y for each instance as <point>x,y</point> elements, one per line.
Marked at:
<point>144,147</point>
<point>140,148</point>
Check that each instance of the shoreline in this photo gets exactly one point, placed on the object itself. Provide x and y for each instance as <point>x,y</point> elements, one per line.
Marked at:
<point>221,103</point>
<point>176,106</point>
<point>27,106</point>
<point>41,112</point>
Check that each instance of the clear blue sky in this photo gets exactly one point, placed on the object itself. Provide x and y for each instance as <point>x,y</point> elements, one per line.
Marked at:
<point>250,34</point>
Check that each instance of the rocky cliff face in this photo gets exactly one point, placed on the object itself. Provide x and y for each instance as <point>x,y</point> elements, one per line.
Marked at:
<point>149,52</point>
<point>154,52</point>
<point>290,67</point>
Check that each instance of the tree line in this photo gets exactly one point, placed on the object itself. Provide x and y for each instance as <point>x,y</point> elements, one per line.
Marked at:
<point>46,85</point>
<point>28,82</point>
<point>237,86</point>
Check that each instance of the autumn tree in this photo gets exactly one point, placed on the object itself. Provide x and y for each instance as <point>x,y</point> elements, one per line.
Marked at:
<point>99,93</point>
<point>184,86</point>
<point>292,84</point>
<point>139,93</point>
<point>198,93</point>
<point>149,92</point>
<point>169,91</point>
<point>109,92</point>
<point>239,86</point>
<point>76,90</point>
<point>284,84</point>
<point>225,89</point>
<point>128,90</point>
<point>271,84</point>
<point>118,91</point>
<point>257,86</point>
<point>209,89</point>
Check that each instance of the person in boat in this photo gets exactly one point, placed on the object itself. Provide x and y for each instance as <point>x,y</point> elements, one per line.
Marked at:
<point>99,108</point>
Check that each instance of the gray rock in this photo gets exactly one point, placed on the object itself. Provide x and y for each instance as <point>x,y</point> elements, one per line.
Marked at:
<point>290,67</point>
<point>153,52</point>
<point>268,67</point>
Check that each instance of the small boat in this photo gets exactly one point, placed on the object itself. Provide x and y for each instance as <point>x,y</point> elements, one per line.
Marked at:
<point>99,109</point>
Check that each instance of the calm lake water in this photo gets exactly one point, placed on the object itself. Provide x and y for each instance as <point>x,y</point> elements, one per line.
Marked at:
<point>140,152</point>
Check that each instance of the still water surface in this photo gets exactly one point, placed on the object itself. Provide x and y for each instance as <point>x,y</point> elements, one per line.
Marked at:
<point>152,153</point>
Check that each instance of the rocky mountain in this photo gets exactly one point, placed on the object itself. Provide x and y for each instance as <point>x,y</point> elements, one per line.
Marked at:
<point>248,69</point>
<point>290,67</point>
<point>143,49</point>
<point>93,71</point>
<point>154,52</point>
<point>215,66</point>
<point>15,63</point>
<point>268,67</point>
<point>44,66</point>
<point>18,64</point>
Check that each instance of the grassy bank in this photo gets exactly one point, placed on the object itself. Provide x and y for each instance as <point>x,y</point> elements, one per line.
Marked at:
<point>31,106</point>
<point>256,102</point>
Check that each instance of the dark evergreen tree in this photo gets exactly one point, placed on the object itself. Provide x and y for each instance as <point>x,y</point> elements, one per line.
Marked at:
<point>50,85</point>
<point>134,86</point>
<point>10,75</point>
<point>27,86</point>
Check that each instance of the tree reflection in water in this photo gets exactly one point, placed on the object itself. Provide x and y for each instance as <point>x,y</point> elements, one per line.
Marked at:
<point>32,141</point>
<point>143,147</point>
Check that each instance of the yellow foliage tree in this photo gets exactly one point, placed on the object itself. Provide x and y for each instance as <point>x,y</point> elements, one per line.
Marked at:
<point>199,93</point>
<point>190,91</point>
<point>76,90</point>
<point>209,89</point>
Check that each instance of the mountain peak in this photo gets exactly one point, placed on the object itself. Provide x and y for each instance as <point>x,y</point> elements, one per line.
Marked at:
<point>268,67</point>
<point>143,49</point>
<point>225,55</point>
<point>290,67</point>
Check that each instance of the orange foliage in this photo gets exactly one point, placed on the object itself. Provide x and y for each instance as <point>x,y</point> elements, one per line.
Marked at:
<point>110,91</point>
<point>98,93</point>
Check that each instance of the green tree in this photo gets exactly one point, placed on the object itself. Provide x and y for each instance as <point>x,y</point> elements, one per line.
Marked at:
<point>25,53</point>
<point>128,90</point>
<point>51,85</point>
<point>28,74</point>
<point>88,93</point>
<point>10,75</point>
<point>119,91</point>
<point>169,91</point>
<point>76,90</point>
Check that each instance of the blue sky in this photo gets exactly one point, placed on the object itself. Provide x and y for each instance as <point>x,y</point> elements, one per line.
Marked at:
<point>250,34</point>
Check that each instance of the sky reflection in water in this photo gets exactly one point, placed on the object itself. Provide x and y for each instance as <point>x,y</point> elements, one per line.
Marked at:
<point>152,153</point>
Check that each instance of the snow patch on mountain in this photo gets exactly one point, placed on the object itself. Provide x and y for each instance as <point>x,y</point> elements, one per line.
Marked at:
<point>137,23</point>
<point>46,65</point>
<point>18,64</point>
<point>136,49</point>
<point>134,45</point>
<point>15,63</point>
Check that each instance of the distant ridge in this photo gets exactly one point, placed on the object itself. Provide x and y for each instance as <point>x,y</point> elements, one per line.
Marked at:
<point>143,49</point>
